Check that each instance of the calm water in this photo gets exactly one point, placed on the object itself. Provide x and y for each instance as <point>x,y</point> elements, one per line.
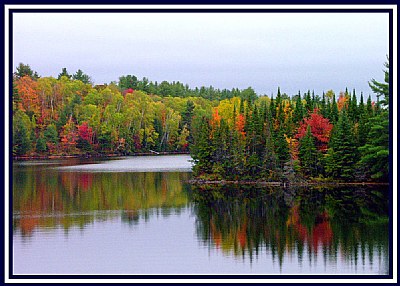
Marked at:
<point>137,215</point>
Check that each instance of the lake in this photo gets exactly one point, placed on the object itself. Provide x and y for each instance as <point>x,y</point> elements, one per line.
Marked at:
<point>138,215</point>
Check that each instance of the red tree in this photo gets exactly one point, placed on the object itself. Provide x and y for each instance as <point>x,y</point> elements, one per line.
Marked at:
<point>85,132</point>
<point>320,128</point>
<point>240,123</point>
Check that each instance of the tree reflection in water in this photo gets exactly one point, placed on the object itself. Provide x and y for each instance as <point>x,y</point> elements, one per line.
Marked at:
<point>46,198</point>
<point>245,221</point>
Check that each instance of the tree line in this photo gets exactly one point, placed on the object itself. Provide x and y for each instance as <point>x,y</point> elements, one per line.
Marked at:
<point>231,134</point>
<point>292,139</point>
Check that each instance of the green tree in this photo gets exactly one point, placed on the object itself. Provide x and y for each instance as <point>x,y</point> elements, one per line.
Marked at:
<point>65,73</point>
<point>281,148</point>
<point>202,150</point>
<point>41,146</point>
<point>21,136</point>
<point>342,156</point>
<point>308,154</point>
<point>51,134</point>
<point>375,153</point>
<point>80,75</point>
<point>369,108</point>
<point>299,111</point>
<point>128,81</point>
<point>309,103</point>
<point>353,110</point>
<point>25,70</point>
<point>334,111</point>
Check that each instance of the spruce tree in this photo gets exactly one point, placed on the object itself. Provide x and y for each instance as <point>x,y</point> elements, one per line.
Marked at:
<point>272,108</point>
<point>309,103</point>
<point>343,147</point>
<point>281,148</point>
<point>202,150</point>
<point>270,162</point>
<point>299,112</point>
<point>361,107</point>
<point>41,146</point>
<point>353,110</point>
<point>370,111</point>
<point>334,111</point>
<point>21,133</point>
<point>308,154</point>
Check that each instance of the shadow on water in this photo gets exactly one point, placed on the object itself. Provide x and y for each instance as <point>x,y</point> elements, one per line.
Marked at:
<point>339,223</point>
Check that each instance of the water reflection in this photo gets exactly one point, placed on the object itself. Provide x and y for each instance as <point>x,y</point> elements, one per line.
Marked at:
<point>43,197</point>
<point>278,230</point>
<point>348,224</point>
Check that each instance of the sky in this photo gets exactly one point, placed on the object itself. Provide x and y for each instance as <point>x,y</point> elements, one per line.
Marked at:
<point>293,51</point>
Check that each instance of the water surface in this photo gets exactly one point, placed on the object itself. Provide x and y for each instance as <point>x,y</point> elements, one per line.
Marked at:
<point>112,217</point>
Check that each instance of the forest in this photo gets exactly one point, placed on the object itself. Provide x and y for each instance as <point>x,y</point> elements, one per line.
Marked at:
<point>230,134</point>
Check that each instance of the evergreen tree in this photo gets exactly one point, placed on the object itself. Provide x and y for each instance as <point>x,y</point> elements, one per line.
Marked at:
<point>272,109</point>
<point>41,146</point>
<point>353,110</point>
<point>202,150</point>
<point>370,111</point>
<point>281,148</point>
<point>375,153</point>
<point>51,134</point>
<point>334,111</point>
<point>299,112</point>
<point>21,133</point>
<point>361,107</point>
<point>25,70</point>
<point>382,89</point>
<point>343,150</point>
<point>270,162</point>
<point>241,107</point>
<point>65,73</point>
<point>80,75</point>
<point>324,110</point>
<point>309,103</point>
<point>308,154</point>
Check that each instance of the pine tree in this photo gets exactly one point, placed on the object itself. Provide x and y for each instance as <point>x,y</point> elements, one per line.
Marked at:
<point>375,153</point>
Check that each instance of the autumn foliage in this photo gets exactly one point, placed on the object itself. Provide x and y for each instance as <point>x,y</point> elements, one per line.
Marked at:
<point>320,128</point>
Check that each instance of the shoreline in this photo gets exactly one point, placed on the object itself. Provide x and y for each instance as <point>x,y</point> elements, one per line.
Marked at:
<point>87,156</point>
<point>283,184</point>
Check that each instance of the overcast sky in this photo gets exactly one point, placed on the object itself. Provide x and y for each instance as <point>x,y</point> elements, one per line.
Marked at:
<point>298,51</point>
